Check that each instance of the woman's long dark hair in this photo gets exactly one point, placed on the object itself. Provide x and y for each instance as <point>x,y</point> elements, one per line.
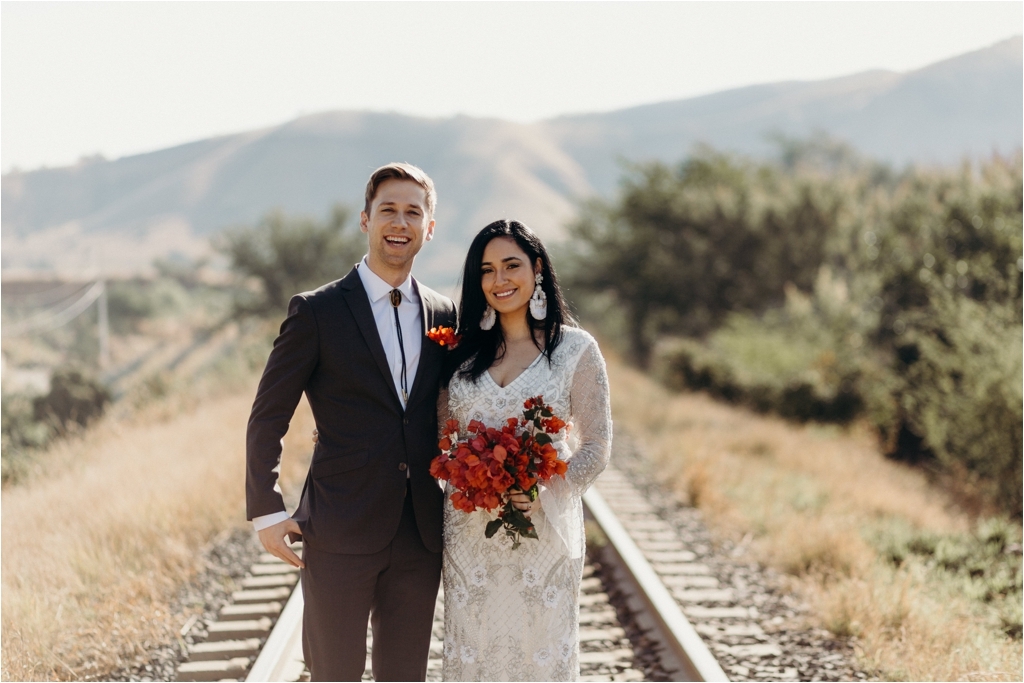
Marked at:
<point>487,346</point>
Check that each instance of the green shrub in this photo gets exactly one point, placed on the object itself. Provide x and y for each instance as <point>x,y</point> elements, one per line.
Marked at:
<point>684,247</point>
<point>803,361</point>
<point>984,564</point>
<point>902,297</point>
<point>284,255</point>
<point>21,435</point>
<point>951,390</point>
<point>942,265</point>
<point>958,388</point>
<point>132,301</point>
<point>74,400</point>
<point>29,424</point>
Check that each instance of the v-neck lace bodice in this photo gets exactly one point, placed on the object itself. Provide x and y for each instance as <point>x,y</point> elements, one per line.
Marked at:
<point>513,615</point>
<point>516,378</point>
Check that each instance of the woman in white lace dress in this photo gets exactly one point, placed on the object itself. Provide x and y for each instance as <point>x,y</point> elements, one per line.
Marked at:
<point>513,615</point>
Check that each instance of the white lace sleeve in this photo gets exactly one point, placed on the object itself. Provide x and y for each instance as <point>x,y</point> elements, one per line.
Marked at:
<point>588,446</point>
<point>592,420</point>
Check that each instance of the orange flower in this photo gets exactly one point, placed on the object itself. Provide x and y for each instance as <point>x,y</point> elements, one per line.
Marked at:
<point>525,480</point>
<point>553,424</point>
<point>445,336</point>
<point>461,502</point>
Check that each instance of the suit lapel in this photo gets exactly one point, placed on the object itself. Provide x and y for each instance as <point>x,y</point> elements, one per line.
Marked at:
<point>359,303</point>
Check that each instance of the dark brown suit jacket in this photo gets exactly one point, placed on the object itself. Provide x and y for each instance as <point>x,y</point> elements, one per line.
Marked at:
<point>329,348</point>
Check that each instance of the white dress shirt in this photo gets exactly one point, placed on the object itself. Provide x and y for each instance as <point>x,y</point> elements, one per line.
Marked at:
<point>377,290</point>
<point>411,316</point>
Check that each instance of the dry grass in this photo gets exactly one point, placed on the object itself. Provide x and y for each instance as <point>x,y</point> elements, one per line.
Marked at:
<point>97,541</point>
<point>808,496</point>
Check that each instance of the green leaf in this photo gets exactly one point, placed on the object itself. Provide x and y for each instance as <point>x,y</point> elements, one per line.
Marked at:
<point>517,520</point>
<point>530,533</point>
<point>543,438</point>
<point>492,527</point>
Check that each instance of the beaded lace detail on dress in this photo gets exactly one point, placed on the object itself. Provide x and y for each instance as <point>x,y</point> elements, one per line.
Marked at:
<point>514,615</point>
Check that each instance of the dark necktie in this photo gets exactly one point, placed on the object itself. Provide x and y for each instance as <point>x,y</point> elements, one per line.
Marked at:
<point>396,299</point>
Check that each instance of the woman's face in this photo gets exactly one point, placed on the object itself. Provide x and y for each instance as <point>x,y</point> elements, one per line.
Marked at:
<point>507,276</point>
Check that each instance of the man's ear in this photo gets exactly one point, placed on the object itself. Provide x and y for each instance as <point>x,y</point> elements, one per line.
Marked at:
<point>364,222</point>
<point>430,231</point>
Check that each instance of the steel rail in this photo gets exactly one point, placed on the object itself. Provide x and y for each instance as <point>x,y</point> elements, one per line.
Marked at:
<point>282,652</point>
<point>684,653</point>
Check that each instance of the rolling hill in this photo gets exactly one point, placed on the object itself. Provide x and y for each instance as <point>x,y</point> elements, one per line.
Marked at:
<point>118,215</point>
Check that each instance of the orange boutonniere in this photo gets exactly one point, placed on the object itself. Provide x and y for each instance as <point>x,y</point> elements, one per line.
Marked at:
<point>445,336</point>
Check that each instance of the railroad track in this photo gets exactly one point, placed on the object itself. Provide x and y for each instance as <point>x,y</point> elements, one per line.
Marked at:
<point>643,563</point>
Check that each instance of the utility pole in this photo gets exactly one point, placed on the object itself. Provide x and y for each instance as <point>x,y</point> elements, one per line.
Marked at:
<point>104,327</point>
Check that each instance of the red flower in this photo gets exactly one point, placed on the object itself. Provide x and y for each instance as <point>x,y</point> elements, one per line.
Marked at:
<point>437,467</point>
<point>445,336</point>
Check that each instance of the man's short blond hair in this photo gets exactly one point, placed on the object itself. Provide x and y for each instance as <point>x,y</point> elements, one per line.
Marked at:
<point>401,171</point>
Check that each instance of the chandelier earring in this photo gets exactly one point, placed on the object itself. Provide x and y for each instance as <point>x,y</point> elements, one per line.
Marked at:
<point>487,322</point>
<point>539,301</point>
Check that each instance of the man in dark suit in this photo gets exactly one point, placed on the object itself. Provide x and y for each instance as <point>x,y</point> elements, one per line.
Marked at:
<point>370,514</point>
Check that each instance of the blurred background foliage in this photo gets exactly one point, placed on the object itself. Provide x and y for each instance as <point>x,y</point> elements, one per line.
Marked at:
<point>824,286</point>
<point>75,399</point>
<point>188,322</point>
<point>283,255</point>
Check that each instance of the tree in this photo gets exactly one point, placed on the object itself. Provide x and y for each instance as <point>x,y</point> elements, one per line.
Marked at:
<point>287,255</point>
<point>905,298</point>
<point>682,248</point>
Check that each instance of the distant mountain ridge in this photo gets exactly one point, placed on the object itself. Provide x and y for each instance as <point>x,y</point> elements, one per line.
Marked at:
<point>120,214</point>
<point>964,107</point>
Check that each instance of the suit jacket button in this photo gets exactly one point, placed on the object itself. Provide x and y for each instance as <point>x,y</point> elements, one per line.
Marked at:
<point>402,466</point>
<point>405,420</point>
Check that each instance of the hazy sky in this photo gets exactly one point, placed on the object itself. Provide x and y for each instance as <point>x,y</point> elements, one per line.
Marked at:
<point>120,78</point>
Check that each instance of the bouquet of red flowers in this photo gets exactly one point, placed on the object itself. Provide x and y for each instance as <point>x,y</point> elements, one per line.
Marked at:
<point>491,463</point>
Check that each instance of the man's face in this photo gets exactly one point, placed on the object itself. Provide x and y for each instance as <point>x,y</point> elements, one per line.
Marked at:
<point>398,224</point>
